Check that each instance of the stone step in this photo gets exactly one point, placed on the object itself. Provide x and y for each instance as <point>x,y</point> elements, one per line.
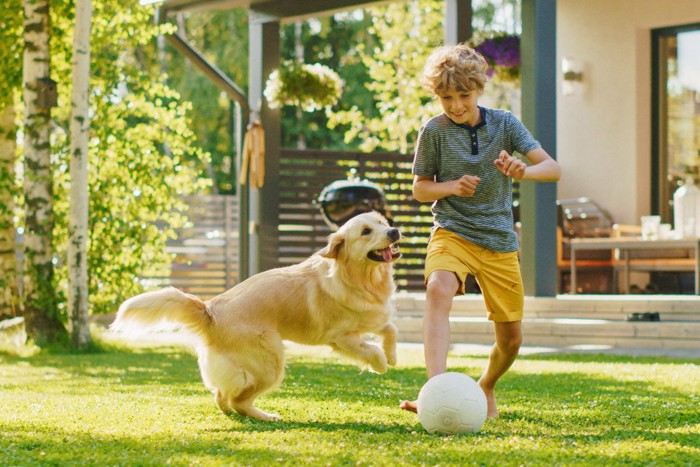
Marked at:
<point>611,307</point>
<point>564,332</point>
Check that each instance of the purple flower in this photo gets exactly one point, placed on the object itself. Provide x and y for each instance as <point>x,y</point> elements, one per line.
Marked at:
<point>502,53</point>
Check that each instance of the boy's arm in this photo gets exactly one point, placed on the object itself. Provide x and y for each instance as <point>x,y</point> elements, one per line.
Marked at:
<point>426,189</point>
<point>542,167</point>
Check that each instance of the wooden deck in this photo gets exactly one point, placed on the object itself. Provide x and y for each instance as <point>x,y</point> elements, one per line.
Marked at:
<point>571,321</point>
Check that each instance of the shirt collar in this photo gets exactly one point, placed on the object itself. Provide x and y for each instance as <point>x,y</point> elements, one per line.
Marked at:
<point>482,111</point>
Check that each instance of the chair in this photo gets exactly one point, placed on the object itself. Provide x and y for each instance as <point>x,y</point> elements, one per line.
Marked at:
<point>593,269</point>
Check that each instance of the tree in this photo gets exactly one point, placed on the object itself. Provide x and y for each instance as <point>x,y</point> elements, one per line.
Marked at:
<point>40,301</point>
<point>406,33</point>
<point>137,190</point>
<point>10,85</point>
<point>78,224</point>
<point>222,37</point>
<point>331,41</point>
<point>8,264</point>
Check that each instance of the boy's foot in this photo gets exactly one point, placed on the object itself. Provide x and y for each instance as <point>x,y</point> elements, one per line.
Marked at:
<point>411,406</point>
<point>491,408</point>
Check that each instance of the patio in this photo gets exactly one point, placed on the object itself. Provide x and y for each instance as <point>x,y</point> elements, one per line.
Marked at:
<point>595,323</point>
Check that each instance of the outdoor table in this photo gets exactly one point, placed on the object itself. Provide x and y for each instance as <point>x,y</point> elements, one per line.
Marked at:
<point>627,244</point>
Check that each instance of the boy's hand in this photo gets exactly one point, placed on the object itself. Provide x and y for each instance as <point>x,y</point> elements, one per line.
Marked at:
<point>465,186</point>
<point>510,166</point>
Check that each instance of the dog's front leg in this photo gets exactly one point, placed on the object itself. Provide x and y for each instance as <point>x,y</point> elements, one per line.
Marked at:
<point>353,346</point>
<point>389,335</point>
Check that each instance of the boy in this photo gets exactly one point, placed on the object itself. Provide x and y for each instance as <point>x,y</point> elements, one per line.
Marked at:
<point>464,165</point>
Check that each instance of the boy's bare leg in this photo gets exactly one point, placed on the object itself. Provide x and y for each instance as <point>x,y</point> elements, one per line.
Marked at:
<point>441,288</point>
<point>503,354</point>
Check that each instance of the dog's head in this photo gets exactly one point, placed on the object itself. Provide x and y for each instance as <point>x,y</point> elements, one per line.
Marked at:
<point>365,236</point>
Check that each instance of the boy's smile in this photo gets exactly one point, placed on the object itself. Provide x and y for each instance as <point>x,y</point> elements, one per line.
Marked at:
<point>461,106</point>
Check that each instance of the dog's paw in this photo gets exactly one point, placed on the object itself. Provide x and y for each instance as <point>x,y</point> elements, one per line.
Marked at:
<point>390,357</point>
<point>379,369</point>
<point>379,364</point>
<point>270,417</point>
<point>260,415</point>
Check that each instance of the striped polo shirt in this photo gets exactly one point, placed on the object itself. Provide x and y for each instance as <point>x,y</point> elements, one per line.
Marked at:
<point>447,151</point>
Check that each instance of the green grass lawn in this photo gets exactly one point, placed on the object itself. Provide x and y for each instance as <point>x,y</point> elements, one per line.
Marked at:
<point>146,405</point>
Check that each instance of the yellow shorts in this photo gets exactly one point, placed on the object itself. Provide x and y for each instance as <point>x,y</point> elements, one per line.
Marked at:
<point>498,274</point>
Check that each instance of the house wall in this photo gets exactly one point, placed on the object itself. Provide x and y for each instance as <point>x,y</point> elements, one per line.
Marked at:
<point>604,133</point>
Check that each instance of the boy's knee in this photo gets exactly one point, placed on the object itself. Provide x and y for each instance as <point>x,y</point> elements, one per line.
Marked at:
<point>511,344</point>
<point>440,289</point>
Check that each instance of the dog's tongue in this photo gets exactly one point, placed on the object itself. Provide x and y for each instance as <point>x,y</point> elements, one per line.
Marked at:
<point>386,254</point>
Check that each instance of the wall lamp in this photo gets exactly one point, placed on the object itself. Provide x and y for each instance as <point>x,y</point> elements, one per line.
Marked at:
<point>572,75</point>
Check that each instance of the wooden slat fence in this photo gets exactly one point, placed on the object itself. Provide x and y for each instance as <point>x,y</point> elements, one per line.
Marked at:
<point>206,250</point>
<point>304,174</point>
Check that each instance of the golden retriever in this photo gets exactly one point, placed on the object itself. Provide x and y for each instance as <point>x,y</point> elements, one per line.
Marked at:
<point>332,298</point>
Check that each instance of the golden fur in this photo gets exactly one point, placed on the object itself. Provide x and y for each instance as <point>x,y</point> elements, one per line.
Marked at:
<point>332,298</point>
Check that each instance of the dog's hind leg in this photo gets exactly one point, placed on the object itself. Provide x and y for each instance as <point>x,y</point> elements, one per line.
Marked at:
<point>223,375</point>
<point>245,407</point>
<point>238,391</point>
<point>243,403</point>
<point>222,401</point>
<point>264,362</point>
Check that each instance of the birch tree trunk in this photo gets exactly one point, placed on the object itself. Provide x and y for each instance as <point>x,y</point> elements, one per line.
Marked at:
<point>299,55</point>
<point>40,311</point>
<point>8,260</point>
<point>78,223</point>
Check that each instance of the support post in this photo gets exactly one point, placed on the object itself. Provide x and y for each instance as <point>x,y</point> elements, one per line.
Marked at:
<point>262,208</point>
<point>458,21</point>
<point>539,114</point>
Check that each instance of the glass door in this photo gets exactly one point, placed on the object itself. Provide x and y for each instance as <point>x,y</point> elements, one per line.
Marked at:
<point>676,113</point>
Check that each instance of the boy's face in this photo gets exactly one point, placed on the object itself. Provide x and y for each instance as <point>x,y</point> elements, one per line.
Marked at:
<point>460,106</point>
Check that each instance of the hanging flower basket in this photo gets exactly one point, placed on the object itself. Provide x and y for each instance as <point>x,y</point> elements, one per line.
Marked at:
<point>502,53</point>
<point>308,86</point>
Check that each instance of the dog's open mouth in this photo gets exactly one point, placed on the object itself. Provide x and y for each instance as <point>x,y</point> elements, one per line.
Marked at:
<point>385,255</point>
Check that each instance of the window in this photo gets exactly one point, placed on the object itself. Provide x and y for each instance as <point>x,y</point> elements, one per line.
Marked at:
<point>675,113</point>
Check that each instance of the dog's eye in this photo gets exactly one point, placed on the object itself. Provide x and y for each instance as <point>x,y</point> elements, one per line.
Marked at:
<point>366,231</point>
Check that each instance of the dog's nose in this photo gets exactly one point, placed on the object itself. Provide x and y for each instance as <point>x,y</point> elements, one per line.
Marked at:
<point>394,235</point>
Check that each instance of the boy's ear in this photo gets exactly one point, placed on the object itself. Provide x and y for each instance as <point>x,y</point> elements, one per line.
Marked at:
<point>335,243</point>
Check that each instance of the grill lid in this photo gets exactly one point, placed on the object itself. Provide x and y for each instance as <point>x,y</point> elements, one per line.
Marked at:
<point>344,199</point>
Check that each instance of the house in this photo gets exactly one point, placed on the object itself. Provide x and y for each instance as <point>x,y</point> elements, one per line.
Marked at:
<point>610,87</point>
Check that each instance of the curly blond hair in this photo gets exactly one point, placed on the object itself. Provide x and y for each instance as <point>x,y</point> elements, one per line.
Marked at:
<point>454,67</point>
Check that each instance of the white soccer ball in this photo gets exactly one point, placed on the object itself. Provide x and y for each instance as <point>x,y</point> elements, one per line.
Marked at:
<point>451,403</point>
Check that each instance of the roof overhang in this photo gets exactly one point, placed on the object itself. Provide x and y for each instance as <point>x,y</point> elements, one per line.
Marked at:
<point>271,9</point>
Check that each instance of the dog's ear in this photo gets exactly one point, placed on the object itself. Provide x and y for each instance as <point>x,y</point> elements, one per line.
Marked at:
<point>335,243</point>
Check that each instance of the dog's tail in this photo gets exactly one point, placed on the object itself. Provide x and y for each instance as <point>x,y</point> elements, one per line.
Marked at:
<point>161,310</point>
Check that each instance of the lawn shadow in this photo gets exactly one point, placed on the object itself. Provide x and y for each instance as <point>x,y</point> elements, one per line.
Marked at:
<point>24,448</point>
<point>165,365</point>
<point>586,409</point>
<point>564,405</point>
<point>597,357</point>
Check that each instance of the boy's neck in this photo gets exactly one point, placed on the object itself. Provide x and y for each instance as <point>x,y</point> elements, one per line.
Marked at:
<point>473,120</point>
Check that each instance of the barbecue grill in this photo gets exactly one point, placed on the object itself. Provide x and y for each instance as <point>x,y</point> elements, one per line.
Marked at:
<point>344,199</point>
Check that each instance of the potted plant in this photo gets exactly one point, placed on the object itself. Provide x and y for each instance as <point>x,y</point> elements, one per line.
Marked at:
<point>308,86</point>
<point>502,53</point>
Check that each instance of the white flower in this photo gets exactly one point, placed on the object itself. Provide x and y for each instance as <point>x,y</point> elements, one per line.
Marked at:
<point>309,86</point>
